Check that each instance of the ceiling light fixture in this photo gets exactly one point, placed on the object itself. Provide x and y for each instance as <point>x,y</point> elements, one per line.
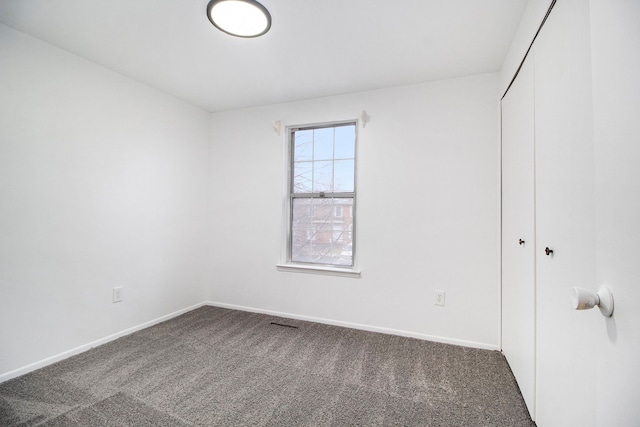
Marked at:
<point>240,18</point>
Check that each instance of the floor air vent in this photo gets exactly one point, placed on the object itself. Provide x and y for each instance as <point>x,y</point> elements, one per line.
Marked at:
<point>284,325</point>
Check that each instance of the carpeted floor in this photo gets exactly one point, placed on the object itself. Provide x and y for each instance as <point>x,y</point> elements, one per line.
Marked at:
<point>220,367</point>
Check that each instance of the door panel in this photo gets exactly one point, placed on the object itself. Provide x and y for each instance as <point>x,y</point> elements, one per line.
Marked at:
<point>518,282</point>
<point>565,220</point>
<point>615,38</point>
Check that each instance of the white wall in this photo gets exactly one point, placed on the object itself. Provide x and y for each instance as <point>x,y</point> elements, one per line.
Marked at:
<point>103,183</point>
<point>428,211</point>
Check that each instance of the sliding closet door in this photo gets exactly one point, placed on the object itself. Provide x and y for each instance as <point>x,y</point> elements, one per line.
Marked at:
<point>518,242</point>
<point>565,219</point>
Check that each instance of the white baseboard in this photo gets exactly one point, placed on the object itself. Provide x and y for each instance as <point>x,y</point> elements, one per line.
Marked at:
<point>81,349</point>
<point>359,326</point>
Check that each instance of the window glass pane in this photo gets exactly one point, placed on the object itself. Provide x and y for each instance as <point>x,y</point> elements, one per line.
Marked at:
<point>323,144</point>
<point>322,176</point>
<point>302,174</point>
<point>317,235</point>
<point>345,138</point>
<point>303,148</point>
<point>343,175</point>
<point>301,211</point>
<point>322,209</point>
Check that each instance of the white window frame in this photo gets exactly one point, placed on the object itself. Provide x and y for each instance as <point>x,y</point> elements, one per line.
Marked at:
<point>286,263</point>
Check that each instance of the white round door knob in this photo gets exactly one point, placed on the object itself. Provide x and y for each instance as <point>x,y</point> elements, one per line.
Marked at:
<point>584,299</point>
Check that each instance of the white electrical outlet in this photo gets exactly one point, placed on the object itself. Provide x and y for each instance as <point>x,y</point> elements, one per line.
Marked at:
<point>439,298</point>
<point>117,294</point>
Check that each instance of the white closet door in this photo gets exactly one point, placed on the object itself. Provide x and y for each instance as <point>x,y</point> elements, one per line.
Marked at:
<point>565,220</point>
<point>518,243</point>
<point>615,39</point>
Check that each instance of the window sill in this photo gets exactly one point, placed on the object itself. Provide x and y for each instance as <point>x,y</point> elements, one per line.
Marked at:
<point>312,269</point>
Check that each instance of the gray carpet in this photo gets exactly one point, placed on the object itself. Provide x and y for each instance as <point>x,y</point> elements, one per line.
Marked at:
<point>220,367</point>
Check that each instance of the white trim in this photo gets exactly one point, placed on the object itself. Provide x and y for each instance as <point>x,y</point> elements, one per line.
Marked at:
<point>81,349</point>
<point>370,328</point>
<point>285,250</point>
<point>312,269</point>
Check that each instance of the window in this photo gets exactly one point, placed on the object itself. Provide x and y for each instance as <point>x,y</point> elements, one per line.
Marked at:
<point>321,190</point>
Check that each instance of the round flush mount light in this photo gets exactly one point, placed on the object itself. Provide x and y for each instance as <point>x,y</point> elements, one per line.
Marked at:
<point>240,18</point>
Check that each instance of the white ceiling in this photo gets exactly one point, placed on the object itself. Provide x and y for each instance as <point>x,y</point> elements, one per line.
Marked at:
<point>314,48</point>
